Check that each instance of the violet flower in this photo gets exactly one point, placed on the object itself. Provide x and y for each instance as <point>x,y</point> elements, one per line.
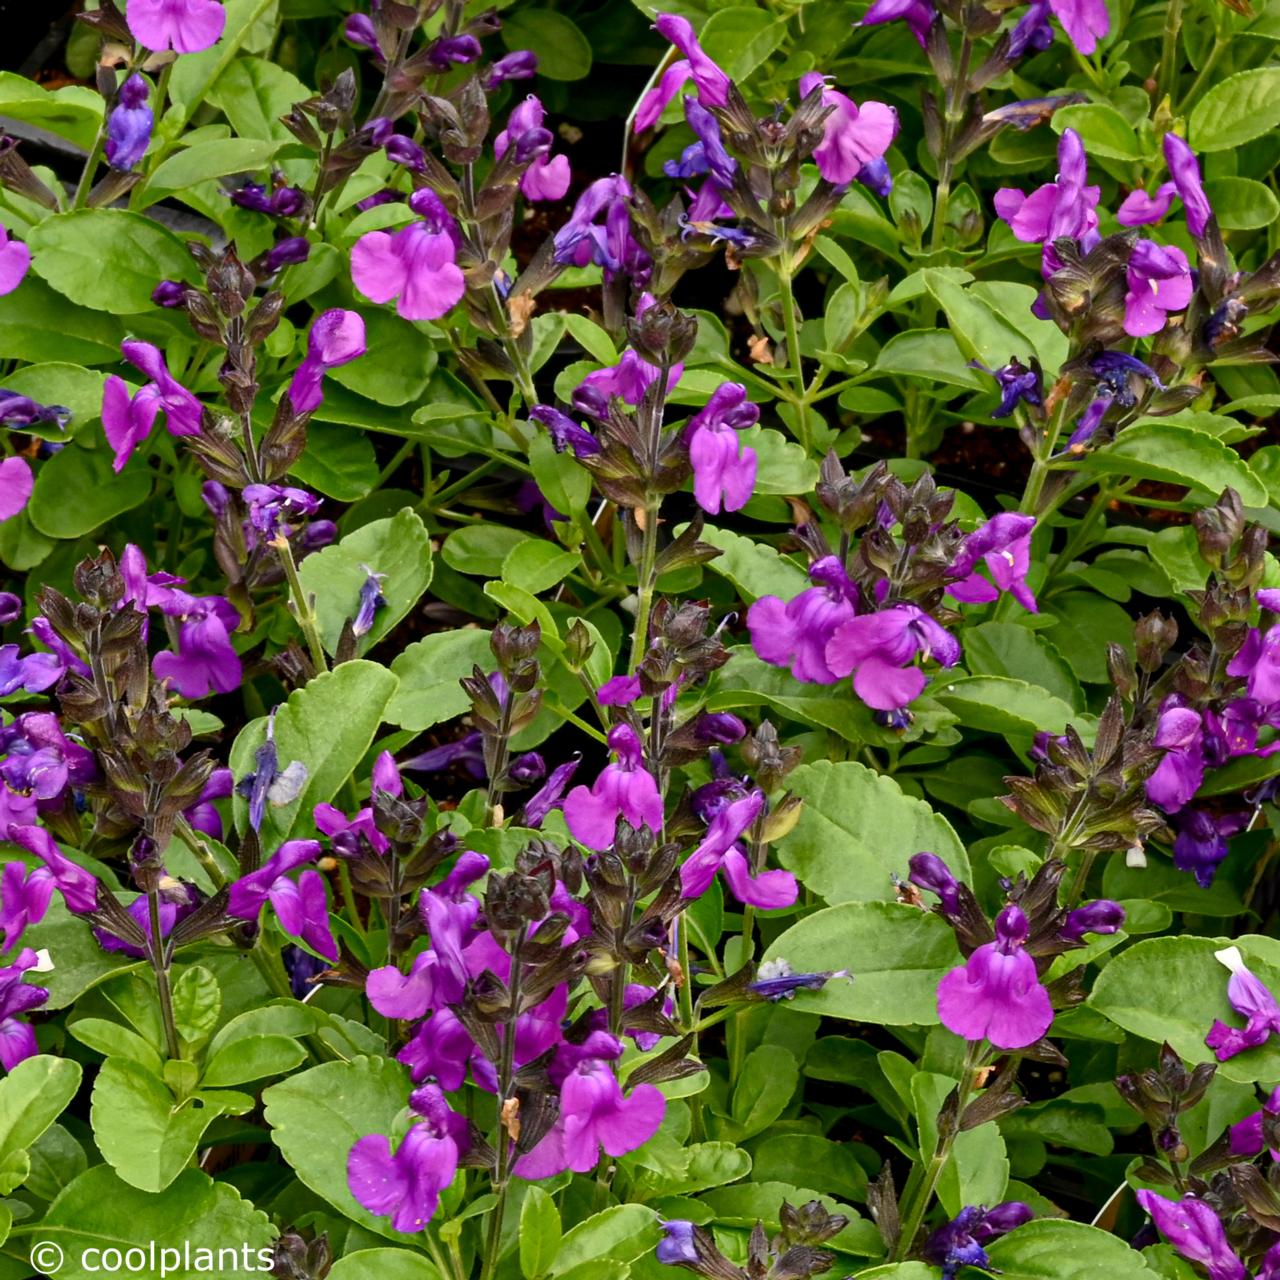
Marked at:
<point>280,200</point>
<point>854,138</point>
<point>1196,1232</point>
<point>21,411</point>
<point>1258,662</point>
<point>202,815</point>
<point>337,337</point>
<point>1159,281</point>
<point>928,871</point>
<point>176,901</point>
<point>795,634</point>
<point>1246,1138</point>
<point>10,607</point>
<point>996,994</point>
<point>286,253</point>
<point>724,470</point>
<point>1200,845</point>
<point>24,899</point>
<point>594,1115</point>
<point>879,648</point>
<point>127,422</point>
<point>32,672</point>
<point>449,51</point>
<point>15,258</point>
<point>406,1186</point>
<point>185,26</point>
<point>301,907</point>
<point>917,14</point>
<point>17,1039</point>
<point>720,851</point>
<point>547,177</point>
<point>629,379</point>
<point>1032,31</point>
<point>369,601</point>
<point>79,888</point>
<point>677,1247</point>
<point>1184,169</point>
<point>564,432</point>
<point>17,483</point>
<point>1102,916</point>
<point>385,777</point>
<point>359,30</point>
<point>776,980</point>
<point>416,265</point>
<point>1251,999</point>
<point>624,789</point>
<point>599,231</point>
<point>711,82</point>
<point>520,64</point>
<point>1003,544</point>
<point>1063,208</point>
<point>548,796</point>
<point>1018,384</point>
<point>1180,735</point>
<point>129,124</point>
<point>205,660</point>
<point>467,751</point>
<point>958,1243</point>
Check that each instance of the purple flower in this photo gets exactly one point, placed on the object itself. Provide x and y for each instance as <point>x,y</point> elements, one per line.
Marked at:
<point>24,898</point>
<point>449,51</point>
<point>286,253</point>
<point>997,995</point>
<point>853,137</point>
<point>544,800</point>
<point>21,411</point>
<point>15,258</point>
<point>1017,384</point>
<point>205,659</point>
<point>1251,999</point>
<point>403,150</point>
<point>406,1186</point>
<point>547,177</point>
<point>1258,661</point>
<point>917,14</point>
<point>271,505</point>
<point>79,888</point>
<point>599,231</point>
<point>359,29</point>
<point>1003,544</point>
<point>185,26</point>
<point>1032,30</point>
<point>202,815</point>
<point>521,64</point>
<point>416,265</point>
<point>706,128</point>
<point>958,1243</point>
<point>1246,1138</point>
<point>1139,209</point>
<point>370,601</point>
<point>795,634</point>
<point>441,1048</point>
<point>16,486</point>
<point>176,900</point>
<point>594,1115</point>
<point>32,672</point>
<point>720,851</point>
<point>776,980</point>
<point>385,777</point>
<point>300,907</point>
<point>17,1040</point>
<point>1101,916</point>
<point>10,607</point>
<point>928,871</point>
<point>724,470</point>
<point>1063,208</point>
<point>281,201</point>
<point>1084,21</point>
<point>1184,169</point>
<point>618,691</point>
<point>624,789</point>
<point>677,1248</point>
<point>1201,841</point>
<point>629,379</point>
<point>879,648</point>
<point>1196,1232</point>
<point>129,124</point>
<point>337,337</point>
<point>564,432</point>
<point>467,751</point>
<point>709,79</point>
<point>1180,735</point>
<point>127,422</point>
<point>1159,280</point>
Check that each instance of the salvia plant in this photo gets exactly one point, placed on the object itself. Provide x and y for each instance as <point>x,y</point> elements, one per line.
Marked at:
<point>640,640</point>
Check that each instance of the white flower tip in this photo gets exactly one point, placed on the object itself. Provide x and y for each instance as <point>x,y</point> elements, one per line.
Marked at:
<point>1231,958</point>
<point>1136,857</point>
<point>43,962</point>
<point>770,969</point>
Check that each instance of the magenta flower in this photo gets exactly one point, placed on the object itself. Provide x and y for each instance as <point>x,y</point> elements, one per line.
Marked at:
<point>594,1115</point>
<point>441,1048</point>
<point>1196,1232</point>
<point>205,660</point>
<point>629,379</point>
<point>879,648</point>
<point>301,907</point>
<point>997,995</point>
<point>720,851</point>
<point>406,1186</point>
<point>854,138</point>
<point>17,1039</point>
<point>415,265</point>
<point>917,14</point>
<point>24,899</point>
<point>16,486</point>
<point>724,470</point>
<point>203,815</point>
<point>333,822</point>
<point>1159,279</point>
<point>1251,999</point>
<point>618,691</point>
<point>1139,209</point>
<point>794,634</point>
<point>709,79</point>
<point>15,258</point>
<point>1085,21</point>
<point>79,888</point>
<point>1246,1137</point>
<point>1063,208</point>
<point>1003,544</point>
<point>185,26</point>
<point>1259,663</point>
<point>624,789</point>
<point>1180,735</point>
<point>547,177</point>
<point>127,422</point>
<point>336,338</point>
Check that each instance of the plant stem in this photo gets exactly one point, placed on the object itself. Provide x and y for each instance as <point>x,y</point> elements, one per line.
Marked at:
<point>1166,80</point>
<point>85,184</point>
<point>502,1141</point>
<point>302,610</point>
<point>957,102</point>
<point>645,581</point>
<point>1040,462</point>
<point>687,1020</point>
<point>794,362</point>
<point>158,951</point>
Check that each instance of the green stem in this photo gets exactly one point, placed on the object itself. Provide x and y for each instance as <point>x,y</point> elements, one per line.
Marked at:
<point>1040,462</point>
<point>957,103</point>
<point>85,184</point>
<point>645,581</point>
<point>691,1027</point>
<point>302,610</point>
<point>1192,95</point>
<point>1167,78</point>
<point>794,362</point>
<point>159,954</point>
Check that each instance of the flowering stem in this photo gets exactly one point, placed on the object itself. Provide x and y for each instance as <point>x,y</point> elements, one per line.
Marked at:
<point>1168,74</point>
<point>301,606</point>
<point>502,1140</point>
<point>645,580</point>
<point>687,1020</point>
<point>956,105</point>
<point>1040,461</point>
<point>90,168</point>
<point>794,362</point>
<point>158,954</point>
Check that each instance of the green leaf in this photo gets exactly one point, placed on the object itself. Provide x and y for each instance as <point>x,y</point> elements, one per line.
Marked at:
<point>398,364</point>
<point>619,1234</point>
<point>1104,131</point>
<point>932,355</point>
<point>73,112</point>
<point>76,492</point>
<point>399,549</point>
<point>107,259</point>
<point>1007,649</point>
<point>763,1090</point>
<point>981,332</point>
<point>142,1132</point>
<point>197,1002</point>
<point>36,323</point>
<point>81,963</point>
<point>72,385</point>
<point>1236,110</point>
<point>1173,989</point>
<point>1241,204</point>
<point>337,462</point>
<point>213,159</point>
<point>98,1211</point>
<point>253,94</point>
<point>1180,455</point>
<point>57,1160</point>
<point>564,53</point>
<point>857,830</point>
<point>740,38</point>
<point>481,549</point>
<point>747,1203</point>
<point>1086,624</point>
<point>250,28</point>
<point>328,724</point>
<point>386,1264</point>
<point>998,704</point>
<point>782,467</point>
<point>755,568</point>
<point>253,1059</point>
<point>317,1116</point>
<point>798,1157</point>
<point>429,671</point>
<point>537,565</point>
<point>112,1040</point>
<point>896,956</point>
<point>1055,1249</point>
<point>539,1233</point>
<point>32,1096</point>
<point>564,482</point>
